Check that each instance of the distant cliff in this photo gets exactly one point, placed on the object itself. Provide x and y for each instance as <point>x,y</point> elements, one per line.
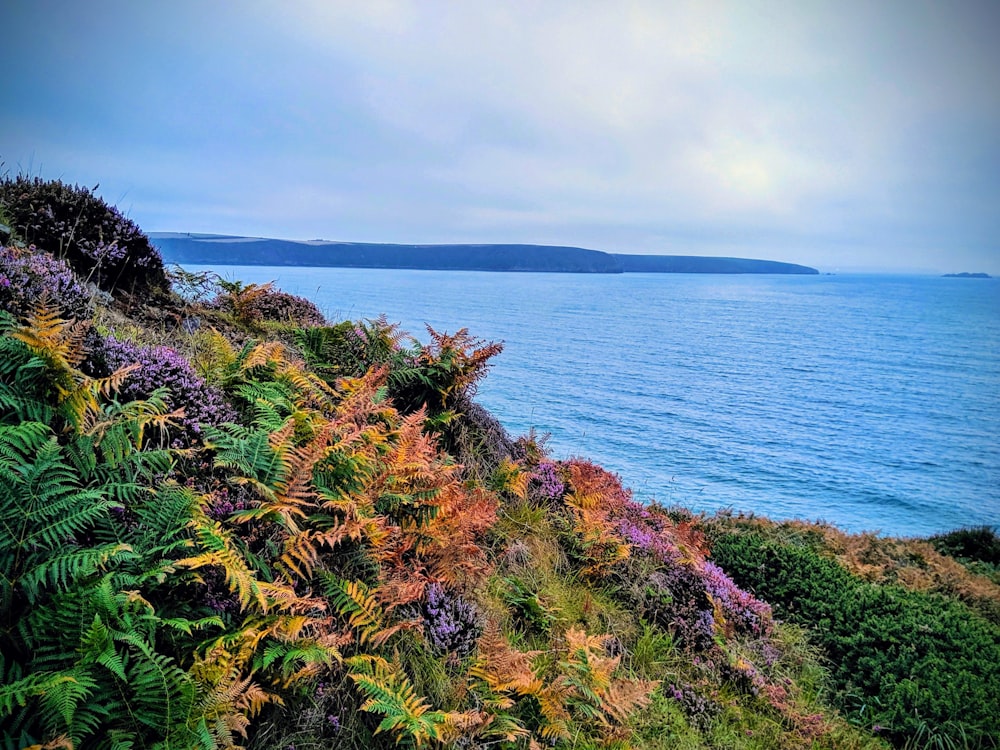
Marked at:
<point>703,264</point>
<point>210,249</point>
<point>206,249</point>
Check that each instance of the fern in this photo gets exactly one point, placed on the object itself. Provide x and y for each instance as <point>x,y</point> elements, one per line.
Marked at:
<point>389,693</point>
<point>85,547</point>
<point>65,568</point>
<point>163,694</point>
<point>37,684</point>
<point>220,550</point>
<point>355,601</point>
<point>57,346</point>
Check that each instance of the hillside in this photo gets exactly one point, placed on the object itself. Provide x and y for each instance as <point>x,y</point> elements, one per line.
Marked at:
<point>230,250</point>
<point>702,264</point>
<point>229,522</point>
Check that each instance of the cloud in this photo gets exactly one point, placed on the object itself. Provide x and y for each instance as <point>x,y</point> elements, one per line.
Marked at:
<point>635,126</point>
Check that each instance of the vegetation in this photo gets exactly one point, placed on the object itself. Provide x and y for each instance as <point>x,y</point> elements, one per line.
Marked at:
<point>73,224</point>
<point>915,663</point>
<point>227,522</point>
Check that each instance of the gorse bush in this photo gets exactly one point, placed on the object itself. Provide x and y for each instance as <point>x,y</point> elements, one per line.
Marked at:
<point>901,660</point>
<point>946,565</point>
<point>72,223</point>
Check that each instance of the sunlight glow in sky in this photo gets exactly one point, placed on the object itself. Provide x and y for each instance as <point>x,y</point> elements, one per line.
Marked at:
<point>845,135</point>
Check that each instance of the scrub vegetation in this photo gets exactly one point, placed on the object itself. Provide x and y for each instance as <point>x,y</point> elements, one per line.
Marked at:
<point>230,522</point>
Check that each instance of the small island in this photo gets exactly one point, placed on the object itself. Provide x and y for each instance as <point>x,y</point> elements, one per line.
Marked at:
<point>966,275</point>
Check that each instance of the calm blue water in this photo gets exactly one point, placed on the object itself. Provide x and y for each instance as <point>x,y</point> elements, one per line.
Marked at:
<point>872,402</point>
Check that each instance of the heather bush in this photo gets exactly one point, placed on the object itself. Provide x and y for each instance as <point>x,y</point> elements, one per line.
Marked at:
<point>744,612</point>
<point>674,598</point>
<point>452,624</point>
<point>546,482</point>
<point>162,367</point>
<point>73,223</point>
<point>649,532</point>
<point>27,274</point>
<point>287,308</point>
<point>900,659</point>
<point>685,592</point>
<point>700,711</point>
<point>254,303</point>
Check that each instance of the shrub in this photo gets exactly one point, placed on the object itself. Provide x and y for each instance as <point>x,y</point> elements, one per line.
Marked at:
<point>452,624</point>
<point>699,710</point>
<point>476,439</point>
<point>71,222</point>
<point>909,659</point>
<point>26,275</point>
<point>287,308</point>
<point>744,612</point>
<point>252,303</point>
<point>978,544</point>
<point>674,598</point>
<point>546,482</point>
<point>159,367</point>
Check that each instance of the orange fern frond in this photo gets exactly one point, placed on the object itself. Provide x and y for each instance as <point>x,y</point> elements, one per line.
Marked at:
<point>467,356</point>
<point>503,668</point>
<point>264,355</point>
<point>624,697</point>
<point>552,702</point>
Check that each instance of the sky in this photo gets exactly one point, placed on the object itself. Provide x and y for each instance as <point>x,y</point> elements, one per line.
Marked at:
<point>847,135</point>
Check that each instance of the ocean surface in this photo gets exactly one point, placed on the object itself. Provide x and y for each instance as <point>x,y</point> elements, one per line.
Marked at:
<point>871,402</point>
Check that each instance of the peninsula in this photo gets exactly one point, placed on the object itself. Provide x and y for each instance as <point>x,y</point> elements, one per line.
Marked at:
<point>212,249</point>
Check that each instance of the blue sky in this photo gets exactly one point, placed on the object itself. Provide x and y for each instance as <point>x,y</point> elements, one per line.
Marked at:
<point>846,135</point>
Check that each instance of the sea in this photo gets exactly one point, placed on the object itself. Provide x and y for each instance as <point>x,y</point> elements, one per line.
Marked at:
<point>871,402</point>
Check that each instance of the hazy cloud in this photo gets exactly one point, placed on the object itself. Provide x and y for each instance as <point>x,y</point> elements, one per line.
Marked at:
<point>840,134</point>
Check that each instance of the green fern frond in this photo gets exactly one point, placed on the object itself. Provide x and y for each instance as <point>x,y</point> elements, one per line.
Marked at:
<point>61,699</point>
<point>163,693</point>
<point>390,693</point>
<point>98,646</point>
<point>220,550</point>
<point>294,657</point>
<point>19,692</point>
<point>63,568</point>
<point>355,601</point>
